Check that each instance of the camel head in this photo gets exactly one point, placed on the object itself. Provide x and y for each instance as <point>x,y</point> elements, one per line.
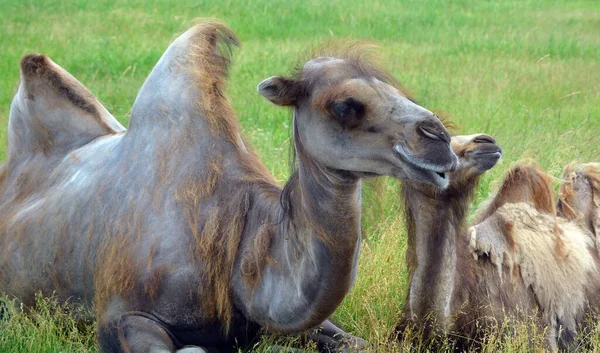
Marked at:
<point>476,153</point>
<point>350,116</point>
<point>580,194</point>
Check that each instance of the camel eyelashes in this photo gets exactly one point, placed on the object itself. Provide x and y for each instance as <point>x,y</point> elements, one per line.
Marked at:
<point>347,111</point>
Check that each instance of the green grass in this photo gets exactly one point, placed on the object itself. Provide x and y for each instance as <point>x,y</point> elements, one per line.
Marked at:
<point>526,72</point>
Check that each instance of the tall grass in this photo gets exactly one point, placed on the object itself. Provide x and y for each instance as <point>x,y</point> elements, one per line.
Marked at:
<point>526,72</point>
<point>50,327</point>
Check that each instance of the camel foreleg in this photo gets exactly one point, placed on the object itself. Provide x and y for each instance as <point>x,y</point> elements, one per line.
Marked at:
<point>134,334</point>
<point>330,338</point>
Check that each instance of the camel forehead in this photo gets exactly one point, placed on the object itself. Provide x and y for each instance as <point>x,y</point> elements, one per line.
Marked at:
<point>324,63</point>
<point>320,63</point>
<point>583,168</point>
<point>460,139</point>
<point>330,71</point>
<point>590,171</point>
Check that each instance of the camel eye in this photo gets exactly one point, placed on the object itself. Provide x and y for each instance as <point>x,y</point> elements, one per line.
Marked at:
<point>341,109</point>
<point>347,111</point>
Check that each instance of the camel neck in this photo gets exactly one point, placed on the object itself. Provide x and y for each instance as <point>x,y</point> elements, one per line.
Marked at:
<point>313,250</point>
<point>433,221</point>
<point>327,203</point>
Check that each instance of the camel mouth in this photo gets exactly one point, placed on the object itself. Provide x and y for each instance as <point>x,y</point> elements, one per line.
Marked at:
<point>438,179</point>
<point>436,175</point>
<point>486,157</point>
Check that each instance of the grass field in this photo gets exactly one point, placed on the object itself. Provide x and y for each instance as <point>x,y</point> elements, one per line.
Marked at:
<point>526,72</point>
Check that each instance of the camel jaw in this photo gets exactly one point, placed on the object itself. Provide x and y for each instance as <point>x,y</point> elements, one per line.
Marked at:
<point>423,172</point>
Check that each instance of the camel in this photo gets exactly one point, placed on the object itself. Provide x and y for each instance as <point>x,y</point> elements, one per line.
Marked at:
<point>579,196</point>
<point>518,261</point>
<point>556,257</point>
<point>437,246</point>
<point>174,230</point>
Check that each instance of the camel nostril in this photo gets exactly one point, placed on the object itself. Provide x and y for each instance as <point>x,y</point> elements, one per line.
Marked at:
<point>434,133</point>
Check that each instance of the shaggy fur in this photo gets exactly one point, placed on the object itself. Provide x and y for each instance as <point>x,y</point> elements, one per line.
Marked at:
<point>558,266</point>
<point>556,258</point>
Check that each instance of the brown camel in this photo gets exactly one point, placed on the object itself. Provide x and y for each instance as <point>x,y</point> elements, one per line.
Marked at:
<point>437,245</point>
<point>518,261</point>
<point>174,230</point>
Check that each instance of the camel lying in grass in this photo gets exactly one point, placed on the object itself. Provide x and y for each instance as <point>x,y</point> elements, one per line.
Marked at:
<point>174,229</point>
<point>442,273</point>
<point>556,259</point>
<point>519,260</point>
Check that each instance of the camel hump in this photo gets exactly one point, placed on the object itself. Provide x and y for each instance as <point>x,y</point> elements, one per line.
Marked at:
<point>53,112</point>
<point>189,80</point>
<point>522,183</point>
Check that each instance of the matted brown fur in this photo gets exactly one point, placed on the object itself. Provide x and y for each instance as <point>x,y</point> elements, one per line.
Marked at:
<point>208,60</point>
<point>257,255</point>
<point>217,234</point>
<point>218,238</point>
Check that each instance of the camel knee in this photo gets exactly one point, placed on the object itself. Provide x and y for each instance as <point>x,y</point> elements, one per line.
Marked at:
<point>192,350</point>
<point>135,334</point>
<point>330,338</point>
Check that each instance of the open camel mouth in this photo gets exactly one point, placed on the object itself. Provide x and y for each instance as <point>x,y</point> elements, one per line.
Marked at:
<point>428,173</point>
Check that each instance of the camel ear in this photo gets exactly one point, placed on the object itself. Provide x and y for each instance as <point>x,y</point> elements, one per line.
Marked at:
<point>280,90</point>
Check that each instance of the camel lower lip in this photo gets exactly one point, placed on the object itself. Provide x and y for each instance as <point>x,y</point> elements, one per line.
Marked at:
<point>423,174</point>
<point>429,176</point>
